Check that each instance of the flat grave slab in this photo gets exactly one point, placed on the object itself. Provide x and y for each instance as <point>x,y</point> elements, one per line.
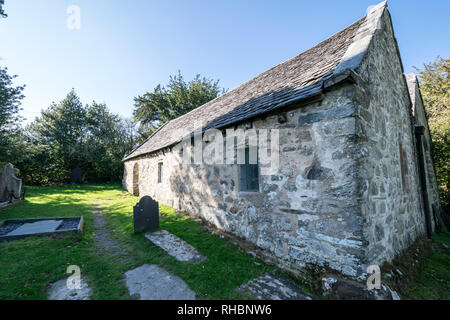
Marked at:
<point>36,227</point>
<point>175,246</point>
<point>60,291</point>
<point>150,282</point>
<point>15,229</point>
<point>273,287</point>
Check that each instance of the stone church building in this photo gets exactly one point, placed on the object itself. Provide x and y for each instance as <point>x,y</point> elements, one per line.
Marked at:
<point>355,183</point>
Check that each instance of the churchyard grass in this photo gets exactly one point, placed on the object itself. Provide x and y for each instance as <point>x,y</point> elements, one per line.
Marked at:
<point>29,266</point>
<point>434,280</point>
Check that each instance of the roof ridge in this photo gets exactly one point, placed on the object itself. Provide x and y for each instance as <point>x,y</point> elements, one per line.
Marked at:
<point>360,45</point>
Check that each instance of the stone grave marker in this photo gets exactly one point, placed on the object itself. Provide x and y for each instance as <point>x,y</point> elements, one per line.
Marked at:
<point>272,287</point>
<point>146,215</point>
<point>77,176</point>
<point>10,185</point>
<point>150,282</point>
<point>36,227</point>
<point>60,291</point>
<point>175,246</point>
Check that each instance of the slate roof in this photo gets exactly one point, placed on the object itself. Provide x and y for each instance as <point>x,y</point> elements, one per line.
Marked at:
<point>297,78</point>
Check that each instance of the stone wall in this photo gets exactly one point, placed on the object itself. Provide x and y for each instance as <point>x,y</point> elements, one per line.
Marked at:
<point>306,215</point>
<point>389,190</point>
<point>420,119</point>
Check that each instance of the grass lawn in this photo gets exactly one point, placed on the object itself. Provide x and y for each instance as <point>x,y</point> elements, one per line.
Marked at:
<point>434,280</point>
<point>29,266</point>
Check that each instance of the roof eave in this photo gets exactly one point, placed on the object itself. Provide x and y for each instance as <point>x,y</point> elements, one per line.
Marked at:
<point>325,85</point>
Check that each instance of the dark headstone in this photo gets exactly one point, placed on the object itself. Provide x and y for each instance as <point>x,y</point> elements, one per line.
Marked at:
<point>77,176</point>
<point>146,215</point>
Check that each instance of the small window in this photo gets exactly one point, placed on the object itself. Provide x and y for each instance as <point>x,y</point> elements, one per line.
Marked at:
<point>404,168</point>
<point>249,174</point>
<point>160,172</point>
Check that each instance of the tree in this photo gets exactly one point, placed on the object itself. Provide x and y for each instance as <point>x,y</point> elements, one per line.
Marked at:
<point>10,98</point>
<point>69,135</point>
<point>435,85</point>
<point>61,132</point>
<point>2,12</point>
<point>110,138</point>
<point>152,109</point>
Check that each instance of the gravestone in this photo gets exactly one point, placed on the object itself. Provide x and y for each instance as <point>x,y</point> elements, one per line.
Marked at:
<point>273,287</point>
<point>10,185</point>
<point>36,227</point>
<point>77,176</point>
<point>146,215</point>
<point>150,282</point>
<point>175,246</point>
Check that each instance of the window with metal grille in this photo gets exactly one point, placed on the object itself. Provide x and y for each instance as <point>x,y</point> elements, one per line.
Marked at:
<point>249,174</point>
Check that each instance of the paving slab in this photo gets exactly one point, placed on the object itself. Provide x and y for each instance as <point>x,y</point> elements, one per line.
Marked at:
<point>59,291</point>
<point>150,282</point>
<point>36,227</point>
<point>273,287</point>
<point>175,246</point>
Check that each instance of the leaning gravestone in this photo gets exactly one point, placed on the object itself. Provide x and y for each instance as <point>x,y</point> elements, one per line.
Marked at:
<point>10,185</point>
<point>146,215</point>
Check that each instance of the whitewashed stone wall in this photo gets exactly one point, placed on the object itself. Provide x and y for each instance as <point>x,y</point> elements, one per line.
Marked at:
<point>393,213</point>
<point>306,215</point>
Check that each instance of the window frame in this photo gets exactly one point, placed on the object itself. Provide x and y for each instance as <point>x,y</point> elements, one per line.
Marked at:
<point>247,188</point>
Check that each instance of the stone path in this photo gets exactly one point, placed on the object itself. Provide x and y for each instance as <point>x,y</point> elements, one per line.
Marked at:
<point>59,291</point>
<point>175,246</point>
<point>103,240</point>
<point>150,282</point>
<point>273,287</point>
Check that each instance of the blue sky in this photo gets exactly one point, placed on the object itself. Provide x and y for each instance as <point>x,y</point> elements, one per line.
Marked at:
<point>125,48</point>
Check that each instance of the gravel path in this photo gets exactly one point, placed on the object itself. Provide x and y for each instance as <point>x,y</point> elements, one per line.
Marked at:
<point>104,242</point>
